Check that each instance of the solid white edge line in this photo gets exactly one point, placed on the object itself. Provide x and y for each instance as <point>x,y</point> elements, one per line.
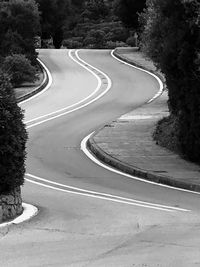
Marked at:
<point>87,152</point>
<point>104,194</point>
<point>46,87</point>
<point>103,73</point>
<point>161,86</point>
<point>82,106</point>
<point>78,103</point>
<point>101,197</point>
<point>29,211</point>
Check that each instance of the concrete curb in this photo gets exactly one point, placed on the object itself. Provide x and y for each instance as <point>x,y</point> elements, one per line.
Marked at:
<point>132,170</point>
<point>37,89</point>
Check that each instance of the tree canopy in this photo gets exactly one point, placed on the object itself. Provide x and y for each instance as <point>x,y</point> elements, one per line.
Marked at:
<point>19,22</point>
<point>128,11</point>
<point>171,38</point>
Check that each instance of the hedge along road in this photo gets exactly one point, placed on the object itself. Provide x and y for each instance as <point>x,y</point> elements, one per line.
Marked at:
<point>88,215</point>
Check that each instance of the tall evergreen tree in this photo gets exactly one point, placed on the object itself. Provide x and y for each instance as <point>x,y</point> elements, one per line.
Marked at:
<point>171,38</point>
<point>53,16</point>
<point>13,139</point>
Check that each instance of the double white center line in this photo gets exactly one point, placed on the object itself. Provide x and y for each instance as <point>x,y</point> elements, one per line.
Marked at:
<point>93,194</point>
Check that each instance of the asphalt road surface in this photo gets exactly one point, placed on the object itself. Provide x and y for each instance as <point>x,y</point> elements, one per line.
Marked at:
<point>90,216</point>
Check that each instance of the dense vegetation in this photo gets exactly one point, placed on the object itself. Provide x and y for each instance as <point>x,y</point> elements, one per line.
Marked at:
<point>12,138</point>
<point>171,38</point>
<point>89,23</point>
<point>19,22</point>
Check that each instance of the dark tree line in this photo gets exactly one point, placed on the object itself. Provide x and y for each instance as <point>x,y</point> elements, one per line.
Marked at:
<point>171,38</point>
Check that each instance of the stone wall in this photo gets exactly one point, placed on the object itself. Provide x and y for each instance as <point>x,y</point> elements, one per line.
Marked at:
<point>10,205</point>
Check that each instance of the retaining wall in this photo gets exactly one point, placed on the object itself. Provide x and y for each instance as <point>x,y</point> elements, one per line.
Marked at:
<point>10,205</point>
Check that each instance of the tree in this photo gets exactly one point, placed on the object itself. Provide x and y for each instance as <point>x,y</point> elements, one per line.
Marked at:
<point>13,138</point>
<point>96,9</point>
<point>171,38</point>
<point>128,11</point>
<point>53,16</point>
<point>98,37</point>
<point>19,21</point>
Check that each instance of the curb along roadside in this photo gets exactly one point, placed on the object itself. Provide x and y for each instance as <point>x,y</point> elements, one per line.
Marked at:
<point>132,170</point>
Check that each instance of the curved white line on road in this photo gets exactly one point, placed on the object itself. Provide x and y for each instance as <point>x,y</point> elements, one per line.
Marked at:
<point>161,86</point>
<point>78,103</point>
<point>104,195</point>
<point>109,84</point>
<point>89,154</point>
<point>46,87</point>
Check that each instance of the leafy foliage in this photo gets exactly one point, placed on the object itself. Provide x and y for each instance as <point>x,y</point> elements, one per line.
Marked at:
<point>13,138</point>
<point>19,69</point>
<point>171,38</point>
<point>128,10</point>
<point>19,20</point>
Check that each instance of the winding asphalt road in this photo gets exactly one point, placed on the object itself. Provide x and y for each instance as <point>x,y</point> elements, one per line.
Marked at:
<point>90,216</point>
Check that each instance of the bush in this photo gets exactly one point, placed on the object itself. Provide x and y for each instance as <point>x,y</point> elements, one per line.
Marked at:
<point>166,133</point>
<point>98,36</point>
<point>110,45</point>
<point>13,138</point>
<point>89,41</point>
<point>131,41</point>
<point>19,69</point>
<point>69,43</point>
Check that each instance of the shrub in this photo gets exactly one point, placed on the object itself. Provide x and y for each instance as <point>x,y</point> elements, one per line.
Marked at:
<point>19,69</point>
<point>13,138</point>
<point>110,45</point>
<point>99,38</point>
<point>69,43</point>
<point>131,41</point>
<point>120,44</point>
<point>89,41</point>
<point>167,133</point>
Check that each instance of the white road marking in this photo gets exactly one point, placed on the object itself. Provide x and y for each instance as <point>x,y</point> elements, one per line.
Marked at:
<point>161,86</point>
<point>46,87</point>
<point>100,163</point>
<point>109,84</point>
<point>75,104</point>
<point>104,195</point>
